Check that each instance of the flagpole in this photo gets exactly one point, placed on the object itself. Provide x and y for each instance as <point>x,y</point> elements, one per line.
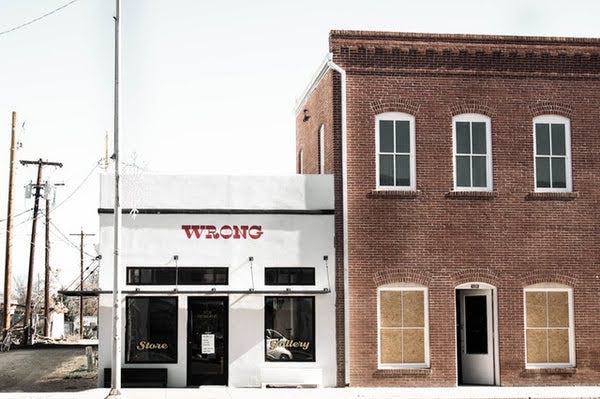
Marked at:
<point>115,389</point>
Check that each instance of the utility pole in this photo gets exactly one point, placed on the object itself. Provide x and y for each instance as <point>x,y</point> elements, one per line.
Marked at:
<point>47,263</point>
<point>81,235</point>
<point>47,271</point>
<point>40,163</point>
<point>9,226</point>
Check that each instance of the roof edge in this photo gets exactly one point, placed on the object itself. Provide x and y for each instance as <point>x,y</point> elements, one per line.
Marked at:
<point>313,83</point>
<point>462,38</point>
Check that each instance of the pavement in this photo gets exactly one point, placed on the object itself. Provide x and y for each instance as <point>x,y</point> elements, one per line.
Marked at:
<point>471,392</point>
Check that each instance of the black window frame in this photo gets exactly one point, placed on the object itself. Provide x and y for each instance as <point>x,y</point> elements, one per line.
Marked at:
<point>127,329</point>
<point>196,269</point>
<point>176,271</point>
<point>155,269</point>
<point>290,270</point>
<point>314,322</point>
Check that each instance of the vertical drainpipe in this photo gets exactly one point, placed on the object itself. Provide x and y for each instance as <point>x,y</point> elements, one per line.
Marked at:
<point>342,73</point>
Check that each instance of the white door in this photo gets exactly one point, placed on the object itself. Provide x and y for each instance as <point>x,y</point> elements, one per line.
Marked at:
<point>476,337</point>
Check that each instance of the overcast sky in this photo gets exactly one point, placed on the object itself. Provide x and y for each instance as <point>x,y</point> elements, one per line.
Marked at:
<point>208,86</point>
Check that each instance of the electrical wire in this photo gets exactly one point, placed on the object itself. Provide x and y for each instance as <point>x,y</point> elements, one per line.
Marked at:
<point>85,278</point>
<point>38,18</point>
<point>71,243</point>
<point>40,213</point>
<point>78,278</point>
<point>79,186</point>
<point>29,219</point>
<point>91,273</point>
<point>18,214</point>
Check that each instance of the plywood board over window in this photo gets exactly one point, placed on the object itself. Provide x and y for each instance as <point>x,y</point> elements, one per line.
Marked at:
<point>549,327</point>
<point>402,327</point>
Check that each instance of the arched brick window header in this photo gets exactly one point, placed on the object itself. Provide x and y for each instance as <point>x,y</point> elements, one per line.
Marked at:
<point>395,105</point>
<point>543,276</point>
<point>401,275</point>
<point>471,107</point>
<point>550,108</point>
<point>472,275</point>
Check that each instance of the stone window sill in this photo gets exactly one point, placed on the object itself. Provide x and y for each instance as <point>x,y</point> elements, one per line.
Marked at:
<point>483,195</point>
<point>552,196</point>
<point>549,371</point>
<point>386,373</point>
<point>400,194</point>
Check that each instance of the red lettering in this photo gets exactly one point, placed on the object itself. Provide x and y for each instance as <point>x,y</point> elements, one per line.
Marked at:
<point>227,229</point>
<point>255,232</point>
<point>189,229</point>
<point>239,231</point>
<point>211,232</point>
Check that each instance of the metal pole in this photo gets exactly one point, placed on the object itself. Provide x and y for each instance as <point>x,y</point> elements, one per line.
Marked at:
<point>36,206</point>
<point>81,285</point>
<point>9,227</point>
<point>106,151</point>
<point>47,271</point>
<point>116,347</point>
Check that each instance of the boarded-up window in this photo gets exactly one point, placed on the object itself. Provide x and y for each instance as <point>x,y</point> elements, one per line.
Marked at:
<point>402,333</point>
<point>548,326</point>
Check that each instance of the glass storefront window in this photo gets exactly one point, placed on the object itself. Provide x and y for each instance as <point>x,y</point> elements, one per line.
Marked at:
<point>184,275</point>
<point>290,329</point>
<point>151,330</point>
<point>289,276</point>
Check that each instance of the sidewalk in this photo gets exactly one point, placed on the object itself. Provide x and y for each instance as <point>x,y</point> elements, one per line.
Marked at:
<point>328,393</point>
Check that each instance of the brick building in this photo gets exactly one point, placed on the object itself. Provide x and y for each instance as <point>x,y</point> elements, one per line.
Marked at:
<point>466,180</point>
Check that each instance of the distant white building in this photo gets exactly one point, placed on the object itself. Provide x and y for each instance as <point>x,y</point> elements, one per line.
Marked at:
<point>226,280</point>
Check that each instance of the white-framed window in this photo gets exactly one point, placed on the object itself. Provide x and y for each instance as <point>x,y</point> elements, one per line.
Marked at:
<point>549,331</point>
<point>402,326</point>
<point>552,153</point>
<point>395,151</point>
<point>472,147</point>
<point>322,149</point>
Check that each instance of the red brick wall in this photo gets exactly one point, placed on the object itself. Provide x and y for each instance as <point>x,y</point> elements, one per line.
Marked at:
<point>510,239</point>
<point>324,108</point>
<point>319,111</point>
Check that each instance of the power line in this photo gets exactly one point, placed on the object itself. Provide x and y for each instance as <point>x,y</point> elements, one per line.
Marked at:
<point>92,272</point>
<point>63,201</point>
<point>19,214</point>
<point>85,270</point>
<point>62,240</point>
<point>38,18</point>
<point>80,185</point>
<point>69,241</point>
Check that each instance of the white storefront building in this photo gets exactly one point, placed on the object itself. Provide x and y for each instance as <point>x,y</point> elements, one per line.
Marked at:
<point>226,280</point>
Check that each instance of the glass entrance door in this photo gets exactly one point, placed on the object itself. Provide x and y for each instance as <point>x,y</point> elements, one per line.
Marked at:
<point>476,345</point>
<point>207,358</point>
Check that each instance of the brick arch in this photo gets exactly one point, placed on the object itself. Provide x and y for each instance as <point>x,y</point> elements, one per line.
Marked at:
<point>475,275</point>
<point>545,276</point>
<point>471,107</point>
<point>394,105</point>
<point>550,108</point>
<point>402,275</point>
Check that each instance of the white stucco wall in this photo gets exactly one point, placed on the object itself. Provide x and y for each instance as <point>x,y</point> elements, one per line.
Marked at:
<point>300,240</point>
<point>220,192</point>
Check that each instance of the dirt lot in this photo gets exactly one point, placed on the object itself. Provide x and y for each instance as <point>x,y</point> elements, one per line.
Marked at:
<point>52,369</point>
